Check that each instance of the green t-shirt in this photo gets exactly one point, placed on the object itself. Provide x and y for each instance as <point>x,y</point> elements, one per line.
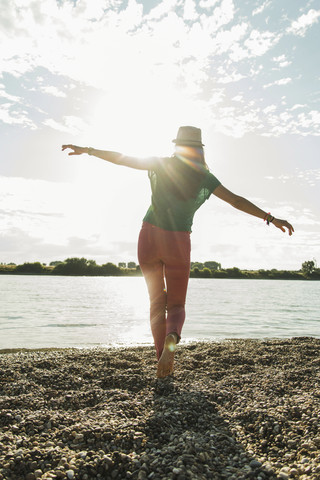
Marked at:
<point>169,210</point>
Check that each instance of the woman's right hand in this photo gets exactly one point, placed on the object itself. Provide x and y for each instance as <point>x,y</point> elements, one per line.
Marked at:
<point>76,150</point>
<point>283,224</point>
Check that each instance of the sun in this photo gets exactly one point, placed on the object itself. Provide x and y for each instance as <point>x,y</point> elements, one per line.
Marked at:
<point>133,128</point>
<point>142,120</point>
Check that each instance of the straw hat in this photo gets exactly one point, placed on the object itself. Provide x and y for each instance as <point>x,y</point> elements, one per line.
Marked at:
<point>189,136</point>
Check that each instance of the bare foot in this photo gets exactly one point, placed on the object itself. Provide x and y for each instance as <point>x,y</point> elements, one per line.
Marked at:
<point>165,364</point>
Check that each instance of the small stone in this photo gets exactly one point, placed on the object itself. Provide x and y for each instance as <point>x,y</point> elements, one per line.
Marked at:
<point>316,441</point>
<point>30,476</point>
<point>283,475</point>
<point>177,471</point>
<point>291,443</point>
<point>38,473</point>
<point>70,474</point>
<point>142,475</point>
<point>108,460</point>
<point>255,464</point>
<point>285,469</point>
<point>268,467</point>
<point>59,474</point>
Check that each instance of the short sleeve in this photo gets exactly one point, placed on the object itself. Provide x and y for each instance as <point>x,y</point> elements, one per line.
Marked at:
<point>211,182</point>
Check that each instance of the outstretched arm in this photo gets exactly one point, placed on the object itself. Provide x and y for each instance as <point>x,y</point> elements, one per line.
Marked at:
<point>245,206</point>
<point>113,157</point>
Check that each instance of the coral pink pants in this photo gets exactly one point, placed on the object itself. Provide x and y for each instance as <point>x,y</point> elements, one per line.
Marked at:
<point>164,258</point>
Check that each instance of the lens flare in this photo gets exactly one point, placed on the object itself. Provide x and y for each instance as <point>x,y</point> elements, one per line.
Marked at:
<point>192,156</point>
<point>171,347</point>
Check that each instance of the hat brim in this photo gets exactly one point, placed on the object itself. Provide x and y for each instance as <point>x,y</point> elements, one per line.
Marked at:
<point>187,143</point>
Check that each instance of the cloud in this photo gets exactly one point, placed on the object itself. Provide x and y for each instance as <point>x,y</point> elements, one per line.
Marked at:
<point>281,81</point>
<point>230,78</point>
<point>222,15</point>
<point>16,246</point>
<point>13,115</point>
<point>217,96</point>
<point>122,74</point>
<point>72,125</point>
<point>7,96</point>
<point>76,218</point>
<point>269,108</point>
<point>259,43</point>
<point>13,110</point>
<point>282,61</point>
<point>236,121</point>
<point>300,26</point>
<point>281,58</point>
<point>280,123</point>
<point>174,56</point>
<point>189,11</point>
<point>207,4</point>
<point>162,9</point>
<point>51,90</point>
<point>253,238</point>
<point>238,98</point>
<point>261,8</point>
<point>32,205</point>
<point>256,45</point>
<point>229,39</point>
<point>309,176</point>
<point>297,105</point>
<point>310,120</point>
<point>19,246</point>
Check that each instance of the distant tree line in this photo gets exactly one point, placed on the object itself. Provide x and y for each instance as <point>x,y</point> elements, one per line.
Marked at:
<point>73,266</point>
<point>210,269</point>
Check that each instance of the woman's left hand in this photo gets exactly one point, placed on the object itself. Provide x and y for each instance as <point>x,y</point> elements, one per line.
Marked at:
<point>283,224</point>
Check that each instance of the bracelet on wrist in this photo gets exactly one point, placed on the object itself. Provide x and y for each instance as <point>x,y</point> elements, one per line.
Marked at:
<point>268,218</point>
<point>90,150</point>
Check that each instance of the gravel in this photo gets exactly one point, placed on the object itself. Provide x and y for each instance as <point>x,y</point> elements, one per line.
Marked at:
<point>240,409</point>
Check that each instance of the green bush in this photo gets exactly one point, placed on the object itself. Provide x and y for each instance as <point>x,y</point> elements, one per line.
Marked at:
<point>35,267</point>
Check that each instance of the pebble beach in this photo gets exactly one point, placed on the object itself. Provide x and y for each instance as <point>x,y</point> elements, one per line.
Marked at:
<point>238,409</point>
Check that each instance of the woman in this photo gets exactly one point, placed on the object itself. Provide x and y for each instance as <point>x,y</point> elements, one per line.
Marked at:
<point>180,185</point>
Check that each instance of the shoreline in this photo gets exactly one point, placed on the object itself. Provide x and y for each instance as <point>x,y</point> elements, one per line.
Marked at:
<point>117,348</point>
<point>236,409</point>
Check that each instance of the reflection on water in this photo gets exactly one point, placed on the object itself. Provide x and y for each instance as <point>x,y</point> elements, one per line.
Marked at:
<point>89,311</point>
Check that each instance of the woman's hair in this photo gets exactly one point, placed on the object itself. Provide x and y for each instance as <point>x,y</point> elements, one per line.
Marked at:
<point>182,174</point>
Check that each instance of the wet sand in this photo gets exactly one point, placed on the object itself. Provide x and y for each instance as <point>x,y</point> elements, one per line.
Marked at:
<point>232,410</point>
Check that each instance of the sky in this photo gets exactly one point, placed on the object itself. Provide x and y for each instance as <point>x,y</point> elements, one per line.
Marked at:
<point>123,76</point>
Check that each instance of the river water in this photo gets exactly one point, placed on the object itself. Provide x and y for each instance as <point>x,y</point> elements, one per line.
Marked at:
<point>45,311</point>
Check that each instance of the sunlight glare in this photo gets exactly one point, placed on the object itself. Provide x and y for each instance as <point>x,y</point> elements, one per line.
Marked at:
<point>144,120</point>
